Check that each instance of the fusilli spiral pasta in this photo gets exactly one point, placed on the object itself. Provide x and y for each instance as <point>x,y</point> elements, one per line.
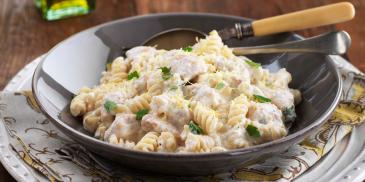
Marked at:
<point>237,110</point>
<point>205,117</point>
<point>92,120</point>
<point>155,89</point>
<point>148,143</point>
<point>123,143</point>
<point>82,103</point>
<point>198,143</point>
<point>167,142</point>
<point>139,102</point>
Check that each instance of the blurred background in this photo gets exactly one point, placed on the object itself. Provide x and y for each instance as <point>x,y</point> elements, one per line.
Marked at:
<point>25,34</point>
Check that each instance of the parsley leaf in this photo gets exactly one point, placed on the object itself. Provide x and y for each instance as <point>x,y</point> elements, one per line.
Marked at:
<point>219,86</point>
<point>194,128</point>
<point>174,87</point>
<point>261,99</point>
<point>141,113</point>
<point>253,64</point>
<point>187,49</point>
<point>166,73</point>
<point>132,75</point>
<point>110,106</point>
<point>252,130</point>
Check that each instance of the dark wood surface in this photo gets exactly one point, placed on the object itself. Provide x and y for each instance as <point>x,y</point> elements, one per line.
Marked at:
<point>24,35</point>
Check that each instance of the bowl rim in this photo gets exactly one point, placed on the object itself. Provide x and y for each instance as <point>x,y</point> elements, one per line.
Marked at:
<point>63,126</point>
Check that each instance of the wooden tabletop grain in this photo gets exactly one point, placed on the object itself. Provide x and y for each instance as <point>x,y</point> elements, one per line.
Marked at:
<point>24,35</point>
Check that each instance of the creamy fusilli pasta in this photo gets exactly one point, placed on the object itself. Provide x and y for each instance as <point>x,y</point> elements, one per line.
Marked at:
<point>196,99</point>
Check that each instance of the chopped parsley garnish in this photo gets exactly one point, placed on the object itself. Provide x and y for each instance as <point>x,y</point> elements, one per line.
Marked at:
<point>219,86</point>
<point>253,64</point>
<point>261,99</point>
<point>187,49</point>
<point>141,113</point>
<point>253,131</point>
<point>110,106</point>
<point>289,114</point>
<point>166,73</point>
<point>194,128</point>
<point>132,75</point>
<point>174,87</point>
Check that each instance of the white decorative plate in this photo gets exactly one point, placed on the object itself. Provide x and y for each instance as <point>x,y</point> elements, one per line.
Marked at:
<point>346,161</point>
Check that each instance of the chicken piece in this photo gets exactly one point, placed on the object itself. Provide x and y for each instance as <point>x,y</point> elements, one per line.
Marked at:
<point>143,59</point>
<point>207,96</point>
<point>280,79</point>
<point>140,51</point>
<point>156,84</point>
<point>230,79</point>
<point>140,84</point>
<point>282,98</point>
<point>125,126</point>
<point>154,77</point>
<point>268,120</point>
<point>171,108</point>
<point>236,137</point>
<point>153,123</point>
<point>249,90</point>
<point>117,97</point>
<point>188,66</point>
<point>106,118</point>
<point>264,113</point>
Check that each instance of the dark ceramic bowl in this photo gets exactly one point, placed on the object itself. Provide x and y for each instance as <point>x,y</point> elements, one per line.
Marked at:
<point>80,59</point>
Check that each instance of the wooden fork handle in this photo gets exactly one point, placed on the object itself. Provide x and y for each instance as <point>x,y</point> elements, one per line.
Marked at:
<point>314,17</point>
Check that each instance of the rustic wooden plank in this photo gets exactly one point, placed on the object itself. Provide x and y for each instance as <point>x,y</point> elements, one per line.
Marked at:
<point>25,35</point>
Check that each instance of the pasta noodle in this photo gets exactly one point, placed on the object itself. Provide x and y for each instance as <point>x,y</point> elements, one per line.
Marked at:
<point>237,110</point>
<point>148,143</point>
<point>205,117</point>
<point>123,143</point>
<point>166,142</point>
<point>139,102</point>
<point>155,89</point>
<point>92,120</point>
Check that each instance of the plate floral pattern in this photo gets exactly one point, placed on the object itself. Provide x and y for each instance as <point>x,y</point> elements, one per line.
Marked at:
<point>45,149</point>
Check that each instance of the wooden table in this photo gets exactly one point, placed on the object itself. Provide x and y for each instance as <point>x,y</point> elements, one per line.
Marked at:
<point>24,35</point>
